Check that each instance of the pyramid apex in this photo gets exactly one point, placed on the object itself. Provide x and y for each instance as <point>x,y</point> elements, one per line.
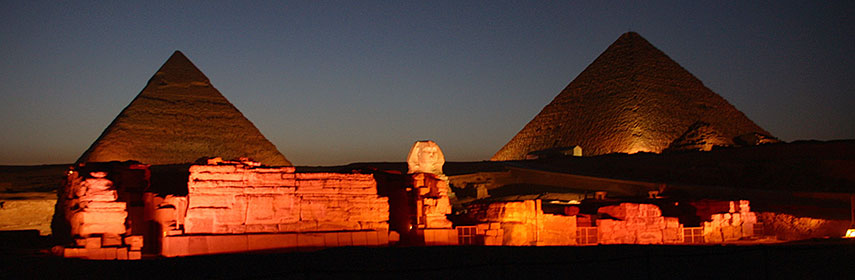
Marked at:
<point>178,118</point>
<point>179,70</point>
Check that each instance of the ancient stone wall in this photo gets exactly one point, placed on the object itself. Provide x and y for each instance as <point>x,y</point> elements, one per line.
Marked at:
<point>237,199</point>
<point>637,224</point>
<point>523,223</point>
<point>789,227</point>
<point>737,223</point>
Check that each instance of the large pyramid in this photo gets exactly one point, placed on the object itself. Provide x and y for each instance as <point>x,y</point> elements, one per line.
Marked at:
<point>180,117</point>
<point>632,98</point>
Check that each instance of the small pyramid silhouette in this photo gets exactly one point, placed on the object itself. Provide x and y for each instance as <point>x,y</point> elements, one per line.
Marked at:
<point>632,98</point>
<point>178,118</point>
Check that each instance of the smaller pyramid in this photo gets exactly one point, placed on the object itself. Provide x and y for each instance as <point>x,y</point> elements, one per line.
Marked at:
<point>699,137</point>
<point>180,117</point>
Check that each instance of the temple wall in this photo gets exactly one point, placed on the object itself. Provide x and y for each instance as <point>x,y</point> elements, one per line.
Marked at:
<point>235,199</point>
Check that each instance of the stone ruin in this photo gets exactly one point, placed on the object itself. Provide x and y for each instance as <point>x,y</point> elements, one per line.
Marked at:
<point>94,214</point>
<point>122,210</point>
<point>216,206</point>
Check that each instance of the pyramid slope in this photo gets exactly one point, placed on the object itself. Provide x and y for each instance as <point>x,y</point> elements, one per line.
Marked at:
<point>632,98</point>
<point>180,117</point>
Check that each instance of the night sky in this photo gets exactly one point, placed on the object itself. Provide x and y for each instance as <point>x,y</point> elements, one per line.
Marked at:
<point>339,82</point>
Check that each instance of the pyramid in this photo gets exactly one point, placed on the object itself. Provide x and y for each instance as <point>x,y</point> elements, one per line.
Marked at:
<point>699,137</point>
<point>632,98</point>
<point>180,117</point>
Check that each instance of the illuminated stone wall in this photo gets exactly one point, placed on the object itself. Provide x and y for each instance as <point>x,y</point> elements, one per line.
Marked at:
<point>789,227</point>
<point>637,224</point>
<point>523,223</point>
<point>236,199</point>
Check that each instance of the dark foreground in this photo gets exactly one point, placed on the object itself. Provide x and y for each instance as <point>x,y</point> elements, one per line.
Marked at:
<point>820,259</point>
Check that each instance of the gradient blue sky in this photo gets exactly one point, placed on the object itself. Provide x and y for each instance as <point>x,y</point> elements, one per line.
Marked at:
<point>345,81</point>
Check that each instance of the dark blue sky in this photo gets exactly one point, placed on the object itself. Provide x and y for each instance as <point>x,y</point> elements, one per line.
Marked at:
<point>344,81</point>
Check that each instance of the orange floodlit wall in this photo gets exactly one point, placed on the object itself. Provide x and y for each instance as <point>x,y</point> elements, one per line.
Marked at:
<point>631,223</point>
<point>238,199</point>
<point>239,207</point>
<point>522,223</point>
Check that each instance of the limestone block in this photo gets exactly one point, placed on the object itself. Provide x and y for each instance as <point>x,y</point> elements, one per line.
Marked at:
<point>481,228</point>
<point>747,229</point>
<point>210,201</point>
<point>615,211</point>
<point>713,235</point>
<point>135,242</point>
<point>92,229</point>
<point>650,237</point>
<point>106,206</point>
<point>122,253</point>
<point>86,217</point>
<point>270,179</point>
<point>257,242</point>
<point>203,224</point>
<point>360,238</point>
<point>749,217</point>
<point>111,240</point>
<point>494,237</point>
<point>105,195</point>
<point>134,255</point>
<point>344,238</point>
<point>736,219</point>
<point>443,206</point>
<point>256,228</point>
<point>213,168</point>
<point>652,210</point>
<point>744,206</point>
<point>731,233</point>
<point>672,222</point>
<point>394,237</point>
<point>260,209</point>
<point>210,176</point>
<point>307,225</point>
<point>92,242</point>
<point>633,210</point>
<point>517,234</point>
<point>437,221</point>
<point>655,222</point>
<point>672,235</point>
<point>211,185</point>
<point>220,244</point>
<point>342,225</point>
